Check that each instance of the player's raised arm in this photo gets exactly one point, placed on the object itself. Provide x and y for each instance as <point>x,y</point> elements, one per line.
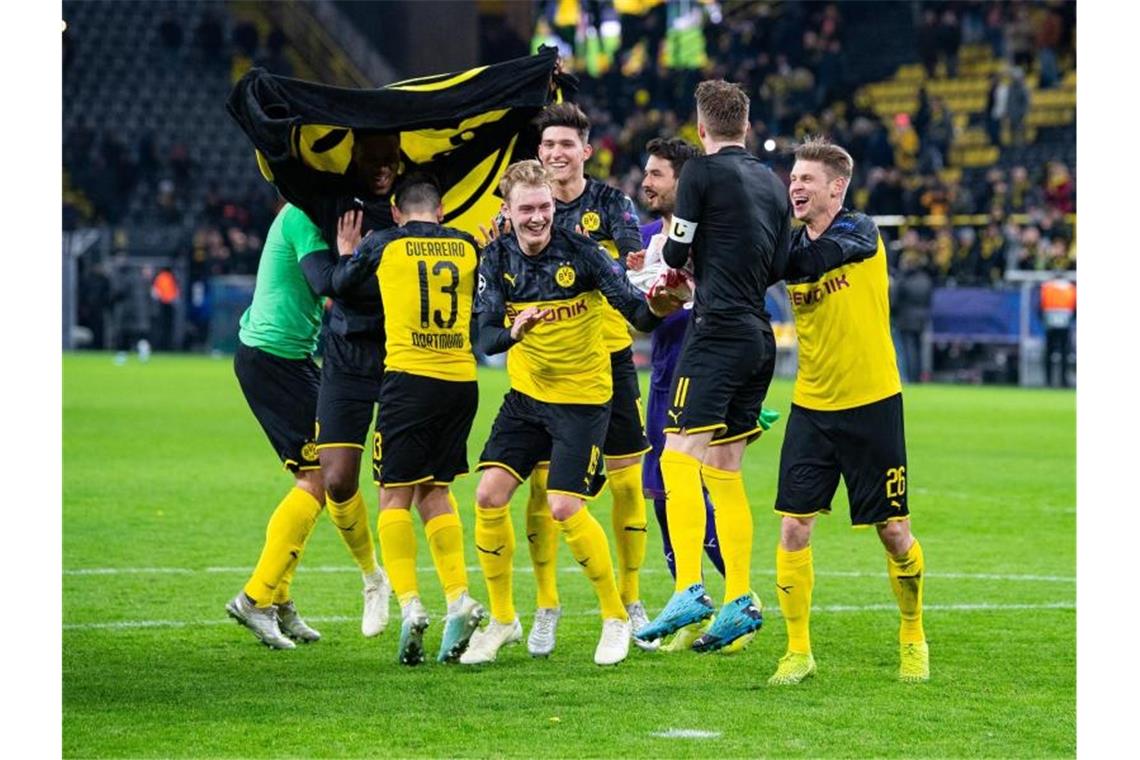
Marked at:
<point>625,227</point>
<point>683,228</point>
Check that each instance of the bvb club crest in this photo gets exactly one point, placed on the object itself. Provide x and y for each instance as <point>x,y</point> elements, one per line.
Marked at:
<point>565,275</point>
<point>591,221</point>
<point>309,452</point>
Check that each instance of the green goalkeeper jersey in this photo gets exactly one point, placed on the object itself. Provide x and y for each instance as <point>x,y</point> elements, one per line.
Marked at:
<point>285,316</point>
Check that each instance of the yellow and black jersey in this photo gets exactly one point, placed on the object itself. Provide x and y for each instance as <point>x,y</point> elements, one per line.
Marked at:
<point>562,360</point>
<point>608,217</point>
<point>425,276</point>
<point>838,288</point>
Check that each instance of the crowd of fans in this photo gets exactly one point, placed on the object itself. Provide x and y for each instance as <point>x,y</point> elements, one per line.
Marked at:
<point>792,59</point>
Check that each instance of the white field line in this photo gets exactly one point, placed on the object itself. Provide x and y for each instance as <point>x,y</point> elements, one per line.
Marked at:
<point>686,733</point>
<point>568,569</point>
<point>823,609</point>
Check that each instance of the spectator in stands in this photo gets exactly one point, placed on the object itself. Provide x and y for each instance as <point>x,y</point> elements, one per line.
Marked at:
<point>1022,192</point>
<point>1021,36</point>
<point>997,106</point>
<point>95,298</point>
<point>1047,40</point>
<point>949,38</point>
<point>964,268</point>
<point>1060,192</point>
<point>927,42</point>
<point>991,262</point>
<point>911,295</point>
<point>1031,256</point>
<point>996,30</point>
<point>936,139</point>
<point>1018,107</point>
<point>886,195</point>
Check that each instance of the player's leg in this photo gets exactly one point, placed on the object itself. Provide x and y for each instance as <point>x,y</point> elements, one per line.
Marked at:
<point>350,386</point>
<point>542,541</point>
<point>874,468</point>
<point>577,432</point>
<point>740,616</point>
<point>495,546</point>
<point>398,551</point>
<point>282,395</point>
<point>809,475</point>
<point>624,446</point>
<point>514,446</point>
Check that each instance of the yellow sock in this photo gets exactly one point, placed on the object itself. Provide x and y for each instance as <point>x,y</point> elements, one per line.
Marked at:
<point>445,538</point>
<point>351,519</point>
<point>630,529</point>
<point>685,510</point>
<point>542,540</point>
<point>733,528</point>
<point>905,572</point>
<point>285,536</point>
<point>495,545</point>
<point>398,549</point>
<point>795,576</point>
<point>588,544</point>
<point>284,591</point>
<point>455,507</point>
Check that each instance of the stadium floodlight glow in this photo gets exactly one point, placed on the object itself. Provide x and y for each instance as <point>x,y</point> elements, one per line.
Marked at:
<point>769,145</point>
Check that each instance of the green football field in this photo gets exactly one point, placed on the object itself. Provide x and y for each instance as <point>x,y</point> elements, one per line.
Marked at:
<point>169,481</point>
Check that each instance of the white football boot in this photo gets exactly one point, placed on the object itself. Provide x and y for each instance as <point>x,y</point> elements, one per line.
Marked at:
<point>261,621</point>
<point>613,647</point>
<point>486,642</point>
<point>377,592</point>
<point>543,631</point>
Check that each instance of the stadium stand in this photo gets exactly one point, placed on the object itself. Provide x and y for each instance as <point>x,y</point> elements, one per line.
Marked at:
<point>961,117</point>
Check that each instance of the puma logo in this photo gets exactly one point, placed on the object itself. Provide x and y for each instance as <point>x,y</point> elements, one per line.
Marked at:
<point>584,562</point>
<point>350,527</point>
<point>497,551</point>
<point>530,537</point>
<point>509,278</point>
<point>637,529</point>
<point>785,589</point>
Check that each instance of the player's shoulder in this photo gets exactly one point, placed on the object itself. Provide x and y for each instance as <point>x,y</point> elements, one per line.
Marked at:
<point>603,192</point>
<point>570,243</point>
<point>853,222</point>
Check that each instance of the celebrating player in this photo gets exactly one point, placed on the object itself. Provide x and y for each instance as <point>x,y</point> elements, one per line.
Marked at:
<point>847,413</point>
<point>275,368</point>
<point>732,213</point>
<point>424,273</point>
<point>540,295</point>
<point>606,215</point>
<point>351,369</point>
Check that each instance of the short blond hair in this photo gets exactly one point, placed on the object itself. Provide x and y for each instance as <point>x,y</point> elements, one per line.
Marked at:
<point>529,173</point>
<point>723,107</point>
<point>835,159</point>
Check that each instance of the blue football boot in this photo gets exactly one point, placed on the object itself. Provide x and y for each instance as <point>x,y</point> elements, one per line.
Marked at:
<point>737,618</point>
<point>684,608</point>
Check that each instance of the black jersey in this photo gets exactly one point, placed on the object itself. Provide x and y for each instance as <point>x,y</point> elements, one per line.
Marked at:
<point>734,214</point>
<point>358,313</point>
<point>562,360</point>
<point>608,217</point>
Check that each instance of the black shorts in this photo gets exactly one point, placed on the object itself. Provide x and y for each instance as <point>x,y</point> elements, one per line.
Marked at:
<point>864,444</point>
<point>423,423</point>
<point>282,394</point>
<point>625,436</point>
<point>350,388</point>
<point>721,380</point>
<point>527,431</point>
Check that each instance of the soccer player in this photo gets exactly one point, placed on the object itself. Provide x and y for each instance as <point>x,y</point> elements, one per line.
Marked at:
<point>659,186</point>
<point>733,214</point>
<point>274,366</point>
<point>607,216</point>
<point>540,295</point>
<point>847,412</point>
<point>424,274</point>
<point>351,369</point>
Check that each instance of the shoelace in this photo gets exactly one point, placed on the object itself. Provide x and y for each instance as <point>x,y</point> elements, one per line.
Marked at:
<point>545,625</point>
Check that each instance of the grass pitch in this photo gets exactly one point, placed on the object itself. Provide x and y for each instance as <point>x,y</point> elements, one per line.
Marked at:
<point>168,483</point>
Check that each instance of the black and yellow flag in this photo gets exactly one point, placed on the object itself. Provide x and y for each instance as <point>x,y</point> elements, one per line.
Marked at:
<point>465,128</point>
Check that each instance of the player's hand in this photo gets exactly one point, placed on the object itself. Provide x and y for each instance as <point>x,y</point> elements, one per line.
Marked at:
<point>662,303</point>
<point>527,319</point>
<point>348,231</point>
<point>635,260</point>
<point>493,232</point>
